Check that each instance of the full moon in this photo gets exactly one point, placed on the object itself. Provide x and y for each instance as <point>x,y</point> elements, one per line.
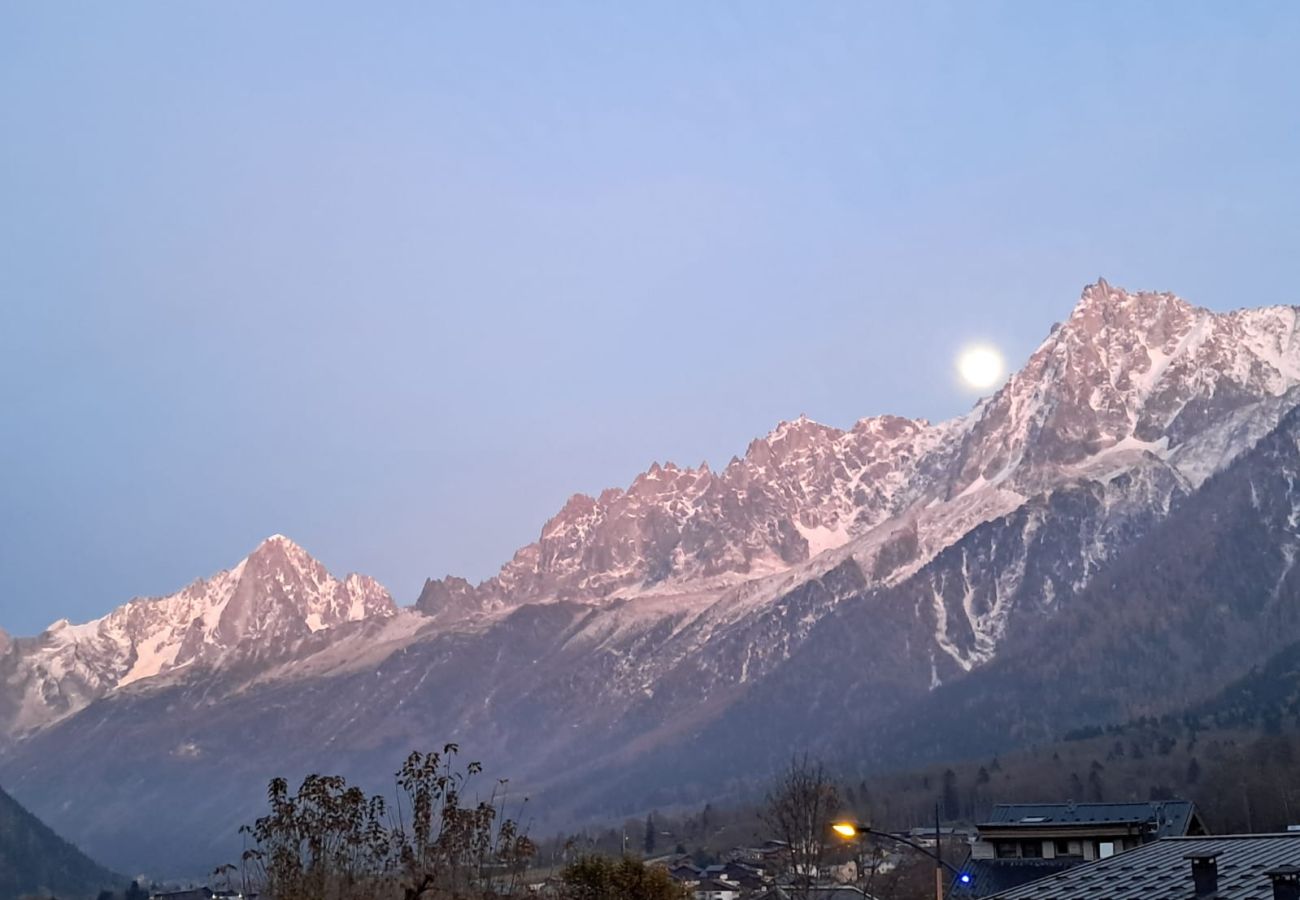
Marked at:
<point>980,367</point>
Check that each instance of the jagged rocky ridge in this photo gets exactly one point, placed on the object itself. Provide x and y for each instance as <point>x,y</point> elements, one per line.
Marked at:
<point>829,589</point>
<point>260,609</point>
<point>1126,374</point>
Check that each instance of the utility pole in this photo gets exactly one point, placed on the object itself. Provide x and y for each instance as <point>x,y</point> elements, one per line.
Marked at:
<point>938,857</point>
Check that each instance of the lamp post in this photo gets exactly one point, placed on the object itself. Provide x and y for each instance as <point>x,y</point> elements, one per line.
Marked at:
<point>851,830</point>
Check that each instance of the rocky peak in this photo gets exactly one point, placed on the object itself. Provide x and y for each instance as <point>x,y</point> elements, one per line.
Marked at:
<point>1105,299</point>
<point>448,598</point>
<point>279,590</point>
<point>800,490</point>
<point>259,608</point>
<point>1127,369</point>
<point>278,549</point>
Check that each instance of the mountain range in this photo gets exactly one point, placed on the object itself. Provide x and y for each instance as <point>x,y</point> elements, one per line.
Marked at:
<point>1110,534</point>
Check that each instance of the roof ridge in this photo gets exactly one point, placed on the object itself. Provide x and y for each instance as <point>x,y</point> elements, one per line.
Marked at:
<point>1240,836</point>
<point>1105,803</point>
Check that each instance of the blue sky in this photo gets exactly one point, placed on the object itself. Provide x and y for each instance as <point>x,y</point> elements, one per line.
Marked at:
<point>397,279</point>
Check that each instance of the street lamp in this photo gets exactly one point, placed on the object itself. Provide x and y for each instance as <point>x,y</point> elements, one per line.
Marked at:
<point>851,830</point>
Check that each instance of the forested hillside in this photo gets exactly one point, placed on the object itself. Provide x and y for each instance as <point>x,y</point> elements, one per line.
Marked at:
<point>35,860</point>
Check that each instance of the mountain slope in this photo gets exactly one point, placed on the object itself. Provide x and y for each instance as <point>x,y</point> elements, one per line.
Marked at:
<point>1192,606</point>
<point>35,860</point>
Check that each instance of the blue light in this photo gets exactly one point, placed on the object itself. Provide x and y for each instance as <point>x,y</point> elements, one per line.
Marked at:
<point>964,878</point>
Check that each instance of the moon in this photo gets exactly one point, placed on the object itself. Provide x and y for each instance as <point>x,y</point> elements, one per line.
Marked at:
<point>981,366</point>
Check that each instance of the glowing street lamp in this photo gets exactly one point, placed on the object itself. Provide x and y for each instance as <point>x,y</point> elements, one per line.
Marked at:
<point>851,830</point>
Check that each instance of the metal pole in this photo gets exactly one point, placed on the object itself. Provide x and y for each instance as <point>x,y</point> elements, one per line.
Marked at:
<point>938,857</point>
<point>866,829</point>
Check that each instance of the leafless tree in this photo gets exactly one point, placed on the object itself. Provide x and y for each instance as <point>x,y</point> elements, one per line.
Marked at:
<point>799,810</point>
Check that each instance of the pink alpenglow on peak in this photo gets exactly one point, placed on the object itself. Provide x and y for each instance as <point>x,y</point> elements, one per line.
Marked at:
<point>274,597</point>
<point>1127,372</point>
<point>1144,366</point>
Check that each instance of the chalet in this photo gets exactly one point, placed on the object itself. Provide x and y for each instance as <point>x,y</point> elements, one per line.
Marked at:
<point>717,889</point>
<point>772,851</point>
<point>747,876</point>
<point>1230,867</point>
<point>924,834</point>
<point>817,892</point>
<point>685,873</point>
<point>1022,842</point>
<point>199,893</point>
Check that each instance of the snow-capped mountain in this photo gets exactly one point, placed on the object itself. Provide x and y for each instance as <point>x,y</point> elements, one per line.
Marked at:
<point>803,489</point>
<point>620,656</point>
<point>259,608</point>
<point>1142,371</point>
<point>1128,379</point>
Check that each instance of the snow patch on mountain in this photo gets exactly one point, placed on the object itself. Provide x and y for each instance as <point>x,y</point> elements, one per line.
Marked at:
<point>275,596</point>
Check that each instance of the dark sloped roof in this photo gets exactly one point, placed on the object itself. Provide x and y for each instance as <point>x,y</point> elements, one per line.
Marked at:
<point>1161,871</point>
<point>1172,816</point>
<point>837,892</point>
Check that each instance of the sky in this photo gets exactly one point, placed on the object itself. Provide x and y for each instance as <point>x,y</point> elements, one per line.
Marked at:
<point>397,279</point>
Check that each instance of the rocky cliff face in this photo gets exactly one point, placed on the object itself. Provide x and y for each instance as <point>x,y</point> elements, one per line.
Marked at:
<point>260,608</point>
<point>797,492</point>
<point>657,640</point>
<point>1127,371</point>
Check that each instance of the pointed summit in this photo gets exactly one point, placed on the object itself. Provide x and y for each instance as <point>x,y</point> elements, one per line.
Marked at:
<point>1104,300</point>
<point>278,552</point>
<point>254,610</point>
<point>1095,294</point>
<point>278,556</point>
<point>1144,367</point>
<point>279,540</point>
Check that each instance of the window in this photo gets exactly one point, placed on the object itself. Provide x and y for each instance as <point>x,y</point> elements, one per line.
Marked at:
<point>1069,848</point>
<point>1031,849</point>
<point>1105,849</point>
<point>1006,850</point>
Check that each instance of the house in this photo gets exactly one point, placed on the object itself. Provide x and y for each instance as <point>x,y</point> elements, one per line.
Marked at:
<point>685,873</point>
<point>200,893</point>
<point>818,892</point>
<point>1230,867</point>
<point>924,834</point>
<point>747,854</point>
<point>774,850</point>
<point>747,876</point>
<point>1022,842</point>
<point>717,889</point>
